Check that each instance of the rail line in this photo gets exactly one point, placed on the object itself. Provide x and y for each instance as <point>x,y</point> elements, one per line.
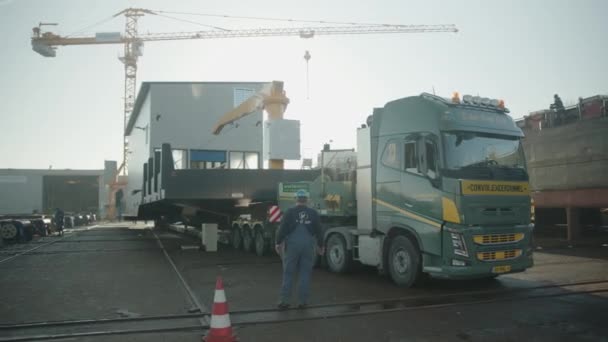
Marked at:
<point>239,263</point>
<point>191,322</point>
<point>18,253</point>
<point>203,320</point>
<point>142,239</point>
<point>73,251</point>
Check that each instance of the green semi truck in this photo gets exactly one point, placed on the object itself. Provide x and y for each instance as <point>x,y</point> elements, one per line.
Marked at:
<point>435,187</point>
<point>439,188</point>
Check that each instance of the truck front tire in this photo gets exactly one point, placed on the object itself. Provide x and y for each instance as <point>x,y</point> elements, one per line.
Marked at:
<point>337,255</point>
<point>404,261</point>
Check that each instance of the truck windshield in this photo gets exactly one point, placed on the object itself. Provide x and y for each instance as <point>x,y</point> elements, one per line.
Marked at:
<point>471,150</point>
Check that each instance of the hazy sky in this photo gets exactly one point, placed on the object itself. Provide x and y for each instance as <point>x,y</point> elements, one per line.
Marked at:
<point>67,111</point>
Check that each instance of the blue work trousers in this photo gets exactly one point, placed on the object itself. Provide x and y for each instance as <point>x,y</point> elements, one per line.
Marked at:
<point>298,259</point>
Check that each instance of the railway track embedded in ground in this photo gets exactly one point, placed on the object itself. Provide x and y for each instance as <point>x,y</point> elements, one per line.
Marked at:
<point>37,331</point>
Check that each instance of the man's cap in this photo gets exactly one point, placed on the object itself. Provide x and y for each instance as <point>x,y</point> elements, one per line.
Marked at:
<point>301,193</point>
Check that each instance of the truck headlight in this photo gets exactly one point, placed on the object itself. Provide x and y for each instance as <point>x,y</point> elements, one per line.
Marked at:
<point>460,247</point>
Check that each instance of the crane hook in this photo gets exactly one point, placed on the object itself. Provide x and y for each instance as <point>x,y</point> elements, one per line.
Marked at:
<point>307,58</point>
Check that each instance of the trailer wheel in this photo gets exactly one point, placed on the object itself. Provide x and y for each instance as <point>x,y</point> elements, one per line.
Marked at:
<point>337,255</point>
<point>237,237</point>
<point>247,239</point>
<point>8,231</point>
<point>404,261</point>
<point>261,245</point>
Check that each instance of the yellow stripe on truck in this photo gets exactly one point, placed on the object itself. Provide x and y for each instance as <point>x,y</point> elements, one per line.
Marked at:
<point>473,187</point>
<point>450,212</point>
<point>408,213</point>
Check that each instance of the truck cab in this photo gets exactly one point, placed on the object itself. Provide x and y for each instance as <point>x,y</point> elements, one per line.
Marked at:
<point>442,189</point>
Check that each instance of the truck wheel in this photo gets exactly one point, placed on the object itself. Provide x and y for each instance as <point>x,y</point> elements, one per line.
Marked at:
<point>247,239</point>
<point>8,231</point>
<point>338,257</point>
<point>404,261</point>
<point>237,238</point>
<point>261,245</point>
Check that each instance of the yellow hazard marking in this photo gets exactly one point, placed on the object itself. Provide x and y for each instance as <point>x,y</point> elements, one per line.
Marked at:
<point>450,212</point>
<point>499,255</point>
<point>471,187</point>
<point>492,239</point>
<point>501,269</point>
<point>408,213</point>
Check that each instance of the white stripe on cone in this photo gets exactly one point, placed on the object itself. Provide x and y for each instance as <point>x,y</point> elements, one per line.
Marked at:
<point>219,296</point>
<point>220,321</point>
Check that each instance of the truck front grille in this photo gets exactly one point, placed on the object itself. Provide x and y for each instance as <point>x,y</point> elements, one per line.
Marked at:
<point>494,239</point>
<point>499,255</point>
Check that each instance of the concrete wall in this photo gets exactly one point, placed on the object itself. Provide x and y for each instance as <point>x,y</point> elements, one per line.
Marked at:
<point>183,114</point>
<point>573,156</point>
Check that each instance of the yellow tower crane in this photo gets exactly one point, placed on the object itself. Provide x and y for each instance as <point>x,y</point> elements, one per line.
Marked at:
<point>46,43</point>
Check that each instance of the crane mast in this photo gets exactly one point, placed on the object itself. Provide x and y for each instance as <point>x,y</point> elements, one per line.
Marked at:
<point>132,52</point>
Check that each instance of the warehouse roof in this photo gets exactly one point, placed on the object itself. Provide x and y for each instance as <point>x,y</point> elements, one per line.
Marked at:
<point>145,88</point>
<point>51,172</point>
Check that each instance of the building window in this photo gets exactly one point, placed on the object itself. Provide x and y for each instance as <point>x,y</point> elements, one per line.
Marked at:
<point>244,160</point>
<point>180,159</point>
<point>411,157</point>
<point>251,160</point>
<point>242,94</point>
<point>205,165</point>
<point>206,159</point>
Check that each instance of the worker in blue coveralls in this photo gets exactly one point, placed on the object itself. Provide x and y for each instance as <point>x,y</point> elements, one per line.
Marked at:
<point>298,238</point>
<point>59,220</point>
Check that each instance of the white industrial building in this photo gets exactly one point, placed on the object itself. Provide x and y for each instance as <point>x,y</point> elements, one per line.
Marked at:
<point>183,114</point>
<point>27,191</point>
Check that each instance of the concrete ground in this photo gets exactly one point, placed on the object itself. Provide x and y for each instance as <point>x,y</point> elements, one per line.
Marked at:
<point>114,271</point>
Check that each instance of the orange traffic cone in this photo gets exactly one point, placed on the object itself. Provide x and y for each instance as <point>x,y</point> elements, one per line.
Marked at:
<point>220,328</point>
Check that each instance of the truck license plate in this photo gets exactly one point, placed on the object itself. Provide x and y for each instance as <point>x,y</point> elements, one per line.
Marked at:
<point>501,269</point>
